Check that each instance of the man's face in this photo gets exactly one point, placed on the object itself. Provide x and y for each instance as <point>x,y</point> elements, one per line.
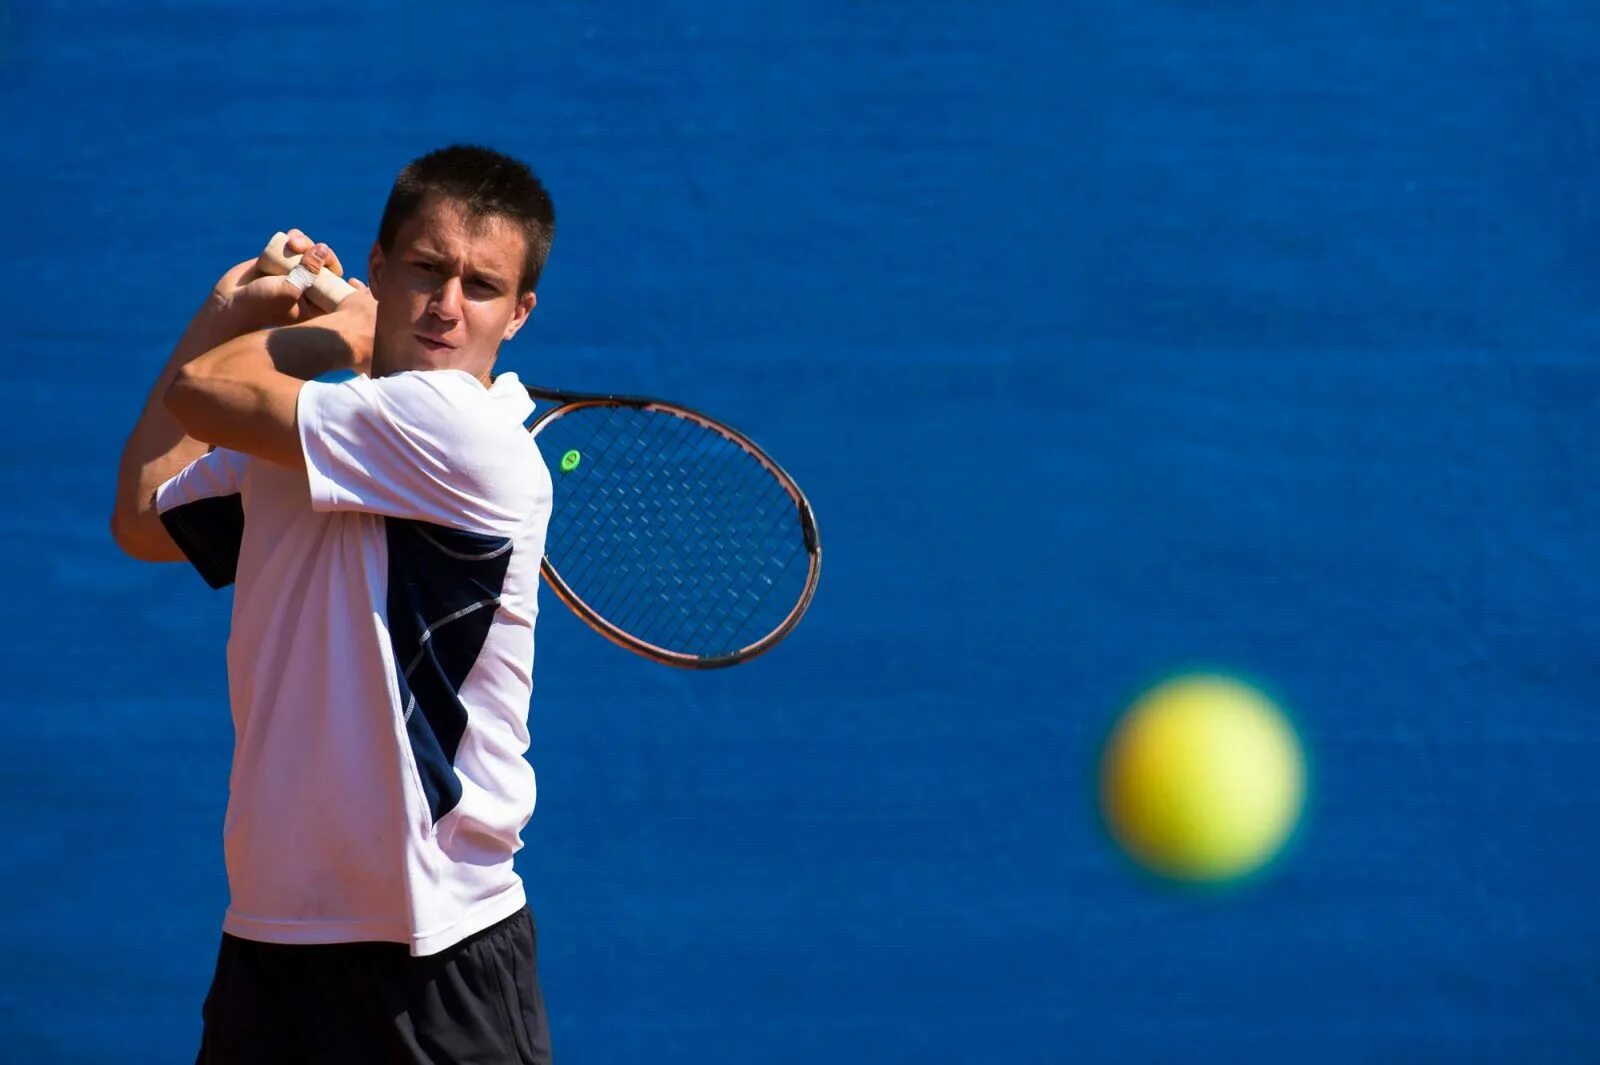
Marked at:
<point>447,292</point>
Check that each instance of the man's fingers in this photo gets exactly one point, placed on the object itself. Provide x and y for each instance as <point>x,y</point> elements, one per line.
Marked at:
<point>304,275</point>
<point>316,257</point>
<point>300,244</point>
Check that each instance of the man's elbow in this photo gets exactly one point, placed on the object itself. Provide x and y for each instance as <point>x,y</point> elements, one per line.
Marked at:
<point>142,536</point>
<point>116,531</point>
<point>122,534</point>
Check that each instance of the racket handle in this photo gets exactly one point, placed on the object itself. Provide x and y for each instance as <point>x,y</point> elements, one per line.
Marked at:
<point>327,291</point>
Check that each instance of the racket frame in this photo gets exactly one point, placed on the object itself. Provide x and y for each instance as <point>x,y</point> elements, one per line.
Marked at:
<point>567,403</point>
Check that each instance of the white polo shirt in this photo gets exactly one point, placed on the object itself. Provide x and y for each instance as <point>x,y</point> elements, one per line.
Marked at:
<point>380,658</point>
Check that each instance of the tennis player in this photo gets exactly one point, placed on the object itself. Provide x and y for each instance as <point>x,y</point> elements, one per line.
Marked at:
<point>383,536</point>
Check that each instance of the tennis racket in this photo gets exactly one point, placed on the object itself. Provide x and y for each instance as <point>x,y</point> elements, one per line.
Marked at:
<point>673,534</point>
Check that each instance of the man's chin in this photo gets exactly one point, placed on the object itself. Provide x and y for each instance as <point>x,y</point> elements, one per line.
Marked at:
<point>412,354</point>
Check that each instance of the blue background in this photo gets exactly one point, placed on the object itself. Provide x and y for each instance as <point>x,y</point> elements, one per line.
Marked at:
<point>1107,338</point>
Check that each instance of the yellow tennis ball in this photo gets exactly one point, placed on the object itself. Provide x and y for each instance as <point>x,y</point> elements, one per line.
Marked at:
<point>1203,779</point>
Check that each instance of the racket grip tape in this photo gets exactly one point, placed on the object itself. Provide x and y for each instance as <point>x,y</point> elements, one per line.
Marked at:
<point>328,289</point>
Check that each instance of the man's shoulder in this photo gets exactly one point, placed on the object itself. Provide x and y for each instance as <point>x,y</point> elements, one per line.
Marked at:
<point>446,424</point>
<point>446,388</point>
<point>448,399</point>
<point>505,399</point>
<point>482,432</point>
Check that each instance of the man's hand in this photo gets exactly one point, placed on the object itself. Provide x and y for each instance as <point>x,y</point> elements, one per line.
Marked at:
<point>355,320</point>
<point>242,395</point>
<point>244,299</point>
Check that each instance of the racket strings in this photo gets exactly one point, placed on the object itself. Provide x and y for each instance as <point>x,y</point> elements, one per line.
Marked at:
<point>671,531</point>
<point>601,500</point>
<point>668,438</point>
<point>737,611</point>
<point>713,620</point>
<point>665,437</point>
<point>744,558</point>
<point>749,555</point>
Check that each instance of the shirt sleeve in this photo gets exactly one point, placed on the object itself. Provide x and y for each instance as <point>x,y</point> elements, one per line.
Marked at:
<point>202,510</point>
<point>421,445</point>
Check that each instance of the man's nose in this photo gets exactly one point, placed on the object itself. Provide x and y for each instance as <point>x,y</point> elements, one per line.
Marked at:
<point>446,302</point>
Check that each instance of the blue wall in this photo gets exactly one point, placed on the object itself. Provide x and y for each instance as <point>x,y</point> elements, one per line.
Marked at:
<point>1107,339</point>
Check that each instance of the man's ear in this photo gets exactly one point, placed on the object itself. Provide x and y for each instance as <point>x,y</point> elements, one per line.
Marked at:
<point>375,266</point>
<point>525,304</point>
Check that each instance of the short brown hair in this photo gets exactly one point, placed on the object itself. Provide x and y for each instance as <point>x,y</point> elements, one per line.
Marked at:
<point>487,184</point>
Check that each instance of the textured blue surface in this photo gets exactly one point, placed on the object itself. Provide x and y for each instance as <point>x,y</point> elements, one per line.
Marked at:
<point>1106,339</point>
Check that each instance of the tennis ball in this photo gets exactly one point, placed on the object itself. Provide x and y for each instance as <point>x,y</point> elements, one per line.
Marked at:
<point>1203,779</point>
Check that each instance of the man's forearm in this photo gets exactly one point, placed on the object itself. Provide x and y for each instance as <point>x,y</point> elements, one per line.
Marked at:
<point>158,447</point>
<point>242,395</point>
<point>306,350</point>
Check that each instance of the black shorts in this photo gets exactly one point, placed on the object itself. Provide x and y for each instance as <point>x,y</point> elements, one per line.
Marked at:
<point>352,1003</point>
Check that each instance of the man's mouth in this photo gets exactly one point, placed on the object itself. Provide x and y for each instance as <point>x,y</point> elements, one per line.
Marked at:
<point>432,344</point>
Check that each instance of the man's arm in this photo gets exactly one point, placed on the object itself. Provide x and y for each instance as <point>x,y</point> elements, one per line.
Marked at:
<point>158,448</point>
<point>242,394</point>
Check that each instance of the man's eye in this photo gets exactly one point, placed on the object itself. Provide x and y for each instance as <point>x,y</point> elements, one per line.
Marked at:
<point>427,268</point>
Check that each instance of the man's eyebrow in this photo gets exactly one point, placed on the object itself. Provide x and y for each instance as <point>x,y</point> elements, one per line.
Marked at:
<point>433,254</point>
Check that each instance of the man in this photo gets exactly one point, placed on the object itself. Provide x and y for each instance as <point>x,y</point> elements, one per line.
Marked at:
<point>384,534</point>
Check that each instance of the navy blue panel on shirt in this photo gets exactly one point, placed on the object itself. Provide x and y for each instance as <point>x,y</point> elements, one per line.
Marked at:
<point>208,532</point>
<point>444,588</point>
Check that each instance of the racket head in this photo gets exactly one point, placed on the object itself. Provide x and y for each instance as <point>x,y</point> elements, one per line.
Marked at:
<point>673,534</point>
